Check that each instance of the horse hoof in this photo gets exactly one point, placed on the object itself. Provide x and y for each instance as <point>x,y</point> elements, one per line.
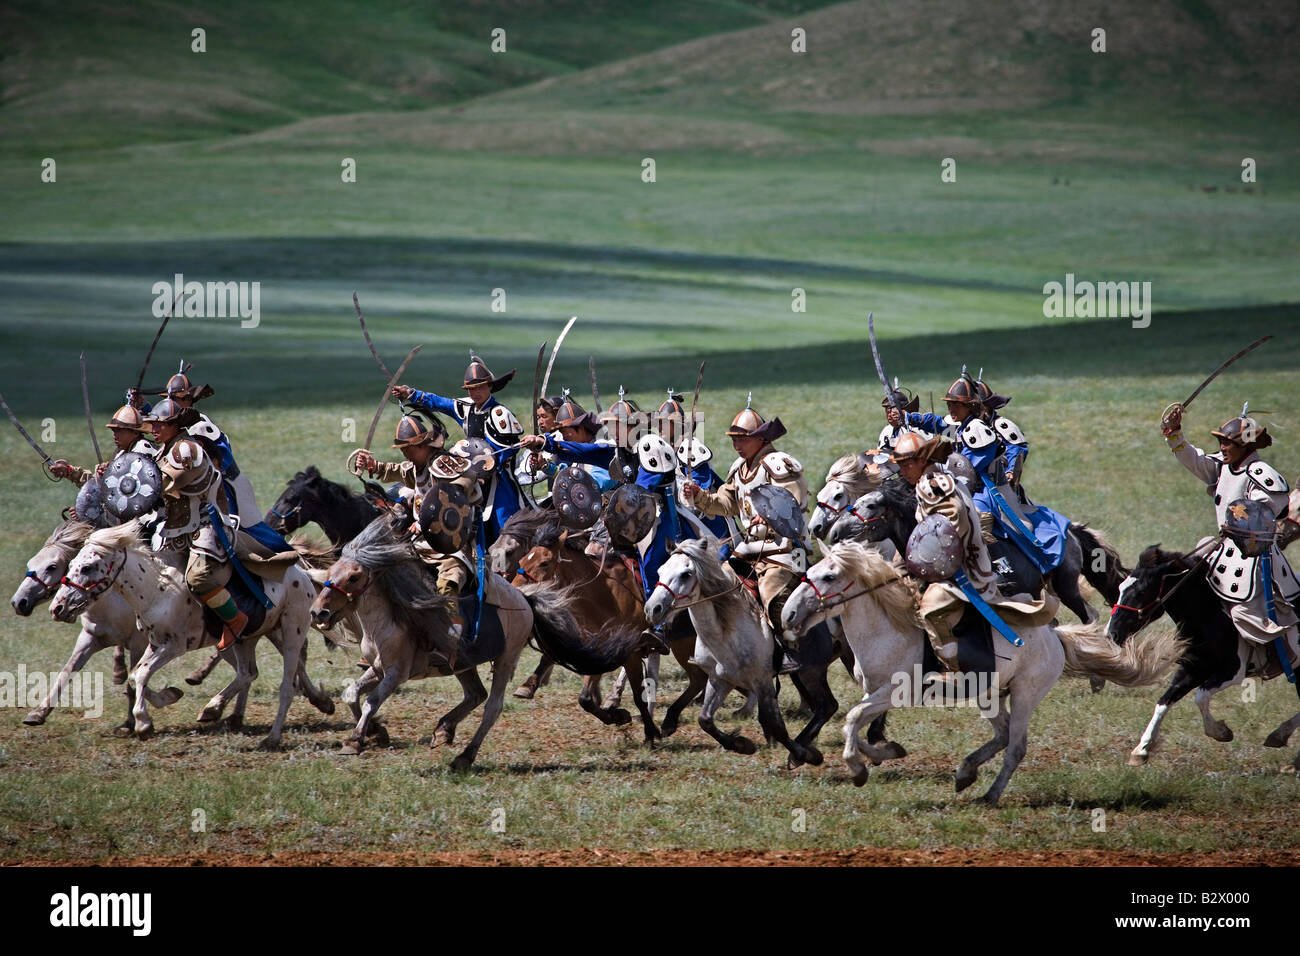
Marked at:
<point>1096,683</point>
<point>525,692</point>
<point>168,696</point>
<point>442,736</point>
<point>618,717</point>
<point>667,730</point>
<point>461,764</point>
<point>35,719</point>
<point>143,733</point>
<point>325,705</point>
<point>860,777</point>
<point>1136,759</point>
<point>812,755</point>
<point>1222,733</point>
<point>988,800</point>
<point>235,722</point>
<point>1272,740</point>
<point>269,744</point>
<point>350,747</point>
<point>122,731</point>
<point>893,751</point>
<point>743,745</point>
<point>794,763</point>
<point>965,778</point>
<point>209,714</point>
<point>194,678</point>
<point>380,733</point>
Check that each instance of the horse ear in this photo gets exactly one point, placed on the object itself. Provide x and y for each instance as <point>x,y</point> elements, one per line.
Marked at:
<point>672,545</point>
<point>564,536</point>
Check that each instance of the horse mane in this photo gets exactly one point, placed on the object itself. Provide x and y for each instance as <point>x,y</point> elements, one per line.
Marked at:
<point>716,578</point>
<point>315,554</point>
<point>68,537</point>
<point>899,496</point>
<point>901,604</point>
<point>848,472</point>
<point>531,523</point>
<point>120,537</point>
<point>383,549</point>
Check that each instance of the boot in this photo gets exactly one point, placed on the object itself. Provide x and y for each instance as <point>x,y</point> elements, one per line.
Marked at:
<point>784,659</point>
<point>654,638</point>
<point>233,630</point>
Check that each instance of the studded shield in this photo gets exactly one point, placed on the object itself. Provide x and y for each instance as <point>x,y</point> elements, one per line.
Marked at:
<point>479,453</point>
<point>576,498</point>
<point>780,511</point>
<point>132,486</point>
<point>959,467</point>
<point>90,504</point>
<point>446,518</point>
<point>630,515</point>
<point>934,551</point>
<point>1251,524</point>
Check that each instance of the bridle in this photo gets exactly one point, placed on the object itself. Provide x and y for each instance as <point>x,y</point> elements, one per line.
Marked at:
<point>1162,597</point>
<point>97,587</point>
<point>825,600</point>
<point>46,588</point>
<point>350,596</point>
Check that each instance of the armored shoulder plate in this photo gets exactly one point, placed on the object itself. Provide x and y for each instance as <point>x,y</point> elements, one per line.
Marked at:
<point>504,421</point>
<point>1009,431</point>
<point>697,454</point>
<point>735,467</point>
<point>934,487</point>
<point>886,438</point>
<point>1267,477</point>
<point>656,455</point>
<point>977,434</point>
<point>781,467</point>
<point>143,446</point>
<point>204,428</point>
<point>1233,575</point>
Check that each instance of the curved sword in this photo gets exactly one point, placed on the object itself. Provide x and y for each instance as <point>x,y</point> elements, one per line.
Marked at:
<point>1213,375</point>
<point>383,402</point>
<point>546,379</point>
<point>139,382</point>
<point>90,423</point>
<point>595,392</point>
<point>880,367</point>
<point>690,422</point>
<point>366,332</point>
<point>31,441</point>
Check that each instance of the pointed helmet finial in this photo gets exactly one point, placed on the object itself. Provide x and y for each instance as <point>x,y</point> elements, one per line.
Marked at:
<point>620,393</point>
<point>1245,407</point>
<point>980,377</point>
<point>749,400</point>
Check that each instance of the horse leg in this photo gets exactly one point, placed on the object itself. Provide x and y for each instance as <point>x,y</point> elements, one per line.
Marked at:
<point>873,706</point>
<point>644,701</point>
<point>392,679</point>
<point>318,698</point>
<point>291,642</point>
<point>87,644</point>
<point>816,692</point>
<point>1214,729</point>
<point>362,685</point>
<point>969,770</point>
<point>1182,683</point>
<point>715,692</point>
<point>589,700</point>
<point>154,658</point>
<point>200,674</point>
<point>615,696</point>
<point>1282,734</point>
<point>540,675</point>
<point>244,660</point>
<point>773,724</point>
<point>475,694</point>
<point>696,678</point>
<point>1025,698</point>
<point>876,735</point>
<point>503,671</point>
<point>652,671</point>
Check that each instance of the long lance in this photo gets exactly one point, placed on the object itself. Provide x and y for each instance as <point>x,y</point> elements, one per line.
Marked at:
<point>31,441</point>
<point>383,402</point>
<point>595,392</point>
<point>139,382</point>
<point>356,303</point>
<point>546,380</point>
<point>90,423</point>
<point>690,423</point>
<point>880,367</point>
<point>1180,406</point>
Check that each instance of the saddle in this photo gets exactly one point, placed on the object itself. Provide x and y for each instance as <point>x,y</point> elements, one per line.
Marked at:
<point>974,637</point>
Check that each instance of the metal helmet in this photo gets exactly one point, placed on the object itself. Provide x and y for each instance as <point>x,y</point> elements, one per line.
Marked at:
<point>167,412</point>
<point>963,390</point>
<point>913,445</point>
<point>1244,430</point>
<point>128,417</point>
<point>1251,524</point>
<point>934,549</point>
<point>572,415</point>
<point>622,417</point>
<point>477,373</point>
<point>178,386</point>
<point>901,398</point>
<point>749,424</point>
<point>670,417</point>
<point>630,515</point>
<point>780,511</point>
<point>132,486</point>
<point>446,518</point>
<point>90,503</point>
<point>989,398</point>
<point>576,498</point>
<point>413,430</point>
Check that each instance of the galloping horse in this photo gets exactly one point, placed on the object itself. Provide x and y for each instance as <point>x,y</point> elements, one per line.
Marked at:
<point>507,550</point>
<point>309,497</point>
<point>1217,657</point>
<point>608,603</point>
<point>849,479</point>
<point>878,607</point>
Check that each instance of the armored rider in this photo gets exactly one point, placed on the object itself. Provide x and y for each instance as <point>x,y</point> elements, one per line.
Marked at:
<point>778,563</point>
<point>128,430</point>
<point>1237,472</point>
<point>900,404</point>
<point>481,416</point>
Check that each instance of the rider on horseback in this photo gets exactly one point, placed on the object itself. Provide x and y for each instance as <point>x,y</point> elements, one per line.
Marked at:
<point>1237,472</point>
<point>482,416</point>
<point>901,404</point>
<point>777,562</point>
<point>128,430</point>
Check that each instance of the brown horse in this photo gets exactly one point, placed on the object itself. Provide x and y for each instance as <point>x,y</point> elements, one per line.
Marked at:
<point>608,603</point>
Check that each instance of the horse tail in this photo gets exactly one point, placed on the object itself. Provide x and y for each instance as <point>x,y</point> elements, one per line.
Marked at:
<point>561,637</point>
<point>1111,575</point>
<point>1090,653</point>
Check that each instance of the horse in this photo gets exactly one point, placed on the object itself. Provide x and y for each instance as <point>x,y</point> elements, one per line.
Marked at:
<point>309,497</point>
<point>890,513</point>
<point>511,545</point>
<point>1217,657</point>
<point>109,622</point>
<point>113,560</point>
<point>405,631</point>
<point>879,608</point>
<point>735,648</point>
<point>607,593</point>
<point>847,481</point>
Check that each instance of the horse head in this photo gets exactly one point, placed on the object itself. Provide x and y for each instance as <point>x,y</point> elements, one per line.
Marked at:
<point>823,582</point>
<point>286,516</point>
<point>48,565</point>
<point>344,583</point>
<point>94,570</point>
<point>1141,595</point>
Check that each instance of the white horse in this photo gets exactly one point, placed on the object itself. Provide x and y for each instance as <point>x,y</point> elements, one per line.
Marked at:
<point>113,560</point>
<point>734,645</point>
<point>110,622</point>
<point>848,480</point>
<point>405,623</point>
<point>879,609</point>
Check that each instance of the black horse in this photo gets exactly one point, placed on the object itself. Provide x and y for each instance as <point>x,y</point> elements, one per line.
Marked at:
<point>310,497</point>
<point>890,513</point>
<point>1216,656</point>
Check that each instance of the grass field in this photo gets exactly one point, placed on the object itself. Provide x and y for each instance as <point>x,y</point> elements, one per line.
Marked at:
<point>522,172</point>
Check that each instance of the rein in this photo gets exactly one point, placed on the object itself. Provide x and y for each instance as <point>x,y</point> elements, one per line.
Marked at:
<point>1161,597</point>
<point>826,602</point>
<point>704,600</point>
<point>90,589</point>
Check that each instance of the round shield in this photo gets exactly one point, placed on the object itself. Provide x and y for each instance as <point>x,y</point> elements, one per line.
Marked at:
<point>631,514</point>
<point>1252,525</point>
<point>780,511</point>
<point>479,453</point>
<point>132,486</point>
<point>576,498</point>
<point>959,467</point>
<point>656,455</point>
<point>934,551</point>
<point>446,518</point>
<point>90,504</point>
